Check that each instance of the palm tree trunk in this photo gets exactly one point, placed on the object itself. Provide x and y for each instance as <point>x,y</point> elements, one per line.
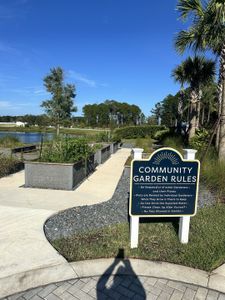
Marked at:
<point>193,114</point>
<point>203,115</point>
<point>222,116</point>
<point>180,111</point>
<point>198,114</point>
<point>208,116</point>
<point>198,108</point>
<point>57,129</point>
<point>220,92</point>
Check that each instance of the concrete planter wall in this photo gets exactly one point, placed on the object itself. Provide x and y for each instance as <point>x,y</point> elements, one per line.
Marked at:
<point>57,175</point>
<point>114,147</point>
<point>105,153</point>
<point>126,170</point>
<point>64,176</point>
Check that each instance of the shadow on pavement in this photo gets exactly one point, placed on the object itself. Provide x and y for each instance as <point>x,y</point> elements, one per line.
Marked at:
<point>119,285</point>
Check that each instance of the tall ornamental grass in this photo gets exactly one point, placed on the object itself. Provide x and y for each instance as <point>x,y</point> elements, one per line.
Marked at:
<point>9,165</point>
<point>9,141</point>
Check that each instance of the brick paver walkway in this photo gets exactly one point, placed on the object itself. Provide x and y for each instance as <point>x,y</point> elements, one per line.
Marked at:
<point>119,287</point>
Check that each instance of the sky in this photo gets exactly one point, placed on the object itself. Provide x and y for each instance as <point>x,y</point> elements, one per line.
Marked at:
<point>110,49</point>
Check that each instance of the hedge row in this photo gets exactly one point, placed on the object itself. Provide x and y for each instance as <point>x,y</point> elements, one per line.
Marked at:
<point>133,132</point>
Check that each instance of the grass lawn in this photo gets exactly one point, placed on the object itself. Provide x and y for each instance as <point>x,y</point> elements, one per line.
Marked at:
<point>145,143</point>
<point>157,241</point>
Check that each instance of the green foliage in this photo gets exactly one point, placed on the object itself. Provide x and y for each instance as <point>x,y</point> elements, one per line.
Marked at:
<point>133,132</point>
<point>213,175</point>
<point>102,137</point>
<point>60,106</point>
<point>157,241</point>
<point>173,141</point>
<point>200,140</point>
<point>9,165</point>
<point>112,113</point>
<point>9,141</point>
<point>66,150</point>
<point>144,143</point>
<point>161,134</point>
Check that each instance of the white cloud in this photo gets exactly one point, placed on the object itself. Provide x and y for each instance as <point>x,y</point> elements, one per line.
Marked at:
<point>82,78</point>
<point>5,104</point>
<point>4,47</point>
<point>40,92</point>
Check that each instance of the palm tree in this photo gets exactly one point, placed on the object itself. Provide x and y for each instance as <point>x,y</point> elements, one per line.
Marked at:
<point>196,72</point>
<point>179,75</point>
<point>209,101</point>
<point>207,32</point>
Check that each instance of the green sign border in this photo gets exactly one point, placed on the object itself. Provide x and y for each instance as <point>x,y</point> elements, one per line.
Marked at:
<point>131,184</point>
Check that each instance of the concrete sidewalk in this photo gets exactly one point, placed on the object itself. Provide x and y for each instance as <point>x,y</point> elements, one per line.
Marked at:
<point>127,279</point>
<point>27,259</point>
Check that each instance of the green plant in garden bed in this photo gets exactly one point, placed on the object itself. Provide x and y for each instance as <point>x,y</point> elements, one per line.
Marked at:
<point>9,165</point>
<point>66,150</point>
<point>157,241</point>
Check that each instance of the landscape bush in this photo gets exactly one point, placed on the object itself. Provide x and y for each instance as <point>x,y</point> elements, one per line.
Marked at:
<point>161,134</point>
<point>200,140</point>
<point>9,165</point>
<point>174,141</point>
<point>133,132</point>
<point>66,150</point>
<point>102,137</point>
<point>213,175</point>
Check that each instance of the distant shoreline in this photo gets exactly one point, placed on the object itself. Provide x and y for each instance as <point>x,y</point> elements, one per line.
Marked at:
<point>52,130</point>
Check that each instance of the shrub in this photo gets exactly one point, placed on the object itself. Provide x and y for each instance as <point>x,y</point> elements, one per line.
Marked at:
<point>213,174</point>
<point>133,132</point>
<point>9,165</point>
<point>102,137</point>
<point>161,134</point>
<point>174,141</point>
<point>67,150</point>
<point>200,140</point>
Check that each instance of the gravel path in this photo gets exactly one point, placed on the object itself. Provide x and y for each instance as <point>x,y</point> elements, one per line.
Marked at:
<point>85,218</point>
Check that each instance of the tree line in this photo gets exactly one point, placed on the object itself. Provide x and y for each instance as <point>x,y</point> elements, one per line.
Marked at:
<point>112,113</point>
<point>42,120</point>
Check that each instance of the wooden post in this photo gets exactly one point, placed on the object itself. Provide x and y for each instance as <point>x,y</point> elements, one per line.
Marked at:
<point>184,223</point>
<point>134,221</point>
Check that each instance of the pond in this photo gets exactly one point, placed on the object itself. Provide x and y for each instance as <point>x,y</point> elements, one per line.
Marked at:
<point>28,137</point>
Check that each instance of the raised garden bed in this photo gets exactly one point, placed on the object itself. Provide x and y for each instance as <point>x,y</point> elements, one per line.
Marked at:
<point>64,176</point>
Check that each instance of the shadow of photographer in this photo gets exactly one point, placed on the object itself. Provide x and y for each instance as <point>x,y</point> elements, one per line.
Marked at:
<point>120,285</point>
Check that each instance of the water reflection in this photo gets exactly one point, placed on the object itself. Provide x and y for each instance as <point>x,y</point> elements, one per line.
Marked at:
<point>28,137</point>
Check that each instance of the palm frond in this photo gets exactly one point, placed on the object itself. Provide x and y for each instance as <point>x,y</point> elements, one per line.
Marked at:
<point>192,38</point>
<point>190,7</point>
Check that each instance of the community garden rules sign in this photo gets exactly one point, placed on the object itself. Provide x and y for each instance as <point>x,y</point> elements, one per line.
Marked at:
<point>165,185</point>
